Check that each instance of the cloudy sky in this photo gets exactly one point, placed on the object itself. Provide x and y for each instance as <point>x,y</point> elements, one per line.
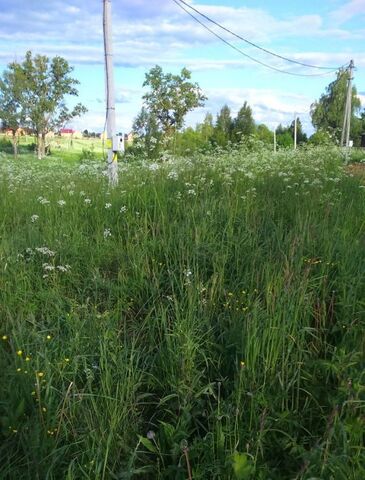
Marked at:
<point>149,32</point>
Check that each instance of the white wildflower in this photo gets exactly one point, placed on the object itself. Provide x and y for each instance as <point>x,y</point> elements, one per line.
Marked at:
<point>87,201</point>
<point>107,233</point>
<point>123,209</point>
<point>34,218</point>
<point>61,203</point>
<point>108,205</point>
<point>45,251</point>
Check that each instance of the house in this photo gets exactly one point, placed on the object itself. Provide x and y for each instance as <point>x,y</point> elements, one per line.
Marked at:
<point>70,133</point>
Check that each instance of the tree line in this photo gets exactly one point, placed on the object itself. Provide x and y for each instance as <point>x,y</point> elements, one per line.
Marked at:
<point>33,95</point>
<point>156,127</point>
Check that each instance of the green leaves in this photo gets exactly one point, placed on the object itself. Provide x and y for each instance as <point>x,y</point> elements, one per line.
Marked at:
<point>242,466</point>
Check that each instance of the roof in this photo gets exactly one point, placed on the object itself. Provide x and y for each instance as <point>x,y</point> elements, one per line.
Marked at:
<point>67,130</point>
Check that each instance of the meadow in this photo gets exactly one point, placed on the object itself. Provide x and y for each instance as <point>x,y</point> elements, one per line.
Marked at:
<point>202,320</point>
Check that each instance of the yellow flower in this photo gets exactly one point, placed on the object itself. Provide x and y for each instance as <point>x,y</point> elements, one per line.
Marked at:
<point>40,374</point>
<point>4,337</point>
<point>18,369</point>
<point>19,352</point>
<point>44,409</point>
<point>67,360</point>
<point>242,363</point>
<point>49,337</point>
<point>27,359</point>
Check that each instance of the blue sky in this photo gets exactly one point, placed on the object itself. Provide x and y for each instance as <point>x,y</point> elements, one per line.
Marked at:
<point>149,32</point>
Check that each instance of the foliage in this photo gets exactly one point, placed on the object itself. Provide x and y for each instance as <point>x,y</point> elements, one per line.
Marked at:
<point>209,310</point>
<point>328,112</point>
<point>40,94</point>
<point>171,97</point>
<point>149,137</point>
<point>223,127</point>
<point>12,111</point>
<point>244,124</point>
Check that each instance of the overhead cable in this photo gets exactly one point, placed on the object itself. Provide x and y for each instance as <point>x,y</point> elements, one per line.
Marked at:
<point>282,57</point>
<point>245,54</point>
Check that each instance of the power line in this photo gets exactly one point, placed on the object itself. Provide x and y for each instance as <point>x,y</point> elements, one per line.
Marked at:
<point>252,43</point>
<point>245,54</point>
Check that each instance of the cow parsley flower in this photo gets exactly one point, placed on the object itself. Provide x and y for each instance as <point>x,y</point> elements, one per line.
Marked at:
<point>34,218</point>
<point>107,233</point>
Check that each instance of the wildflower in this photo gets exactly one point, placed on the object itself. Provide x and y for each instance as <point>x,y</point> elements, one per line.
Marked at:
<point>107,233</point>
<point>63,269</point>
<point>87,201</point>
<point>45,251</point>
<point>67,360</point>
<point>61,203</point>
<point>108,205</point>
<point>18,370</point>
<point>19,353</point>
<point>34,218</point>
<point>150,435</point>
<point>4,337</point>
<point>27,359</point>
<point>44,409</point>
<point>242,363</point>
<point>40,374</point>
<point>48,337</point>
<point>123,209</point>
<point>48,268</point>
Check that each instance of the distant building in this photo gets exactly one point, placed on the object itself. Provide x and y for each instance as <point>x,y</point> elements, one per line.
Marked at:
<point>69,132</point>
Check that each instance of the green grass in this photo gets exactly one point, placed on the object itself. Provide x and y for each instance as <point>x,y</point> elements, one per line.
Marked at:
<point>212,315</point>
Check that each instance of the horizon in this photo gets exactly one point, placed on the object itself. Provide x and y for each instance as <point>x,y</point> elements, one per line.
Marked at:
<point>158,32</point>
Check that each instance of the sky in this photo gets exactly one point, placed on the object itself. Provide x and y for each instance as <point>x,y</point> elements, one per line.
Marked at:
<point>150,32</point>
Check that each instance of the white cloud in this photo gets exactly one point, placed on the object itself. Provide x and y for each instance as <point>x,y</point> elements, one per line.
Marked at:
<point>351,9</point>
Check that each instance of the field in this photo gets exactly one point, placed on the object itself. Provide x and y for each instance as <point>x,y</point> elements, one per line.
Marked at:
<point>202,320</point>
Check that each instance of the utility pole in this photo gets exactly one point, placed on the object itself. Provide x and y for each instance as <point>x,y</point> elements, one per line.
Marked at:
<point>275,140</point>
<point>295,131</point>
<point>345,134</point>
<point>114,143</point>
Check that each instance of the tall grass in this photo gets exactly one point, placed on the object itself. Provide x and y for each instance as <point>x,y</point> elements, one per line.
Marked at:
<point>203,319</point>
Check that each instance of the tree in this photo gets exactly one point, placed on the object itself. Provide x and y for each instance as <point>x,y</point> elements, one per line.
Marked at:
<point>206,128</point>
<point>284,137</point>
<point>223,126</point>
<point>264,134</point>
<point>170,98</point>
<point>301,136</point>
<point>145,127</point>
<point>244,124</point>
<point>12,112</point>
<point>47,84</point>
<point>328,112</point>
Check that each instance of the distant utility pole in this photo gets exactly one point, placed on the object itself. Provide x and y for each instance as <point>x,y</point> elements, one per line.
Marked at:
<point>345,135</point>
<point>114,143</point>
<point>295,131</point>
<point>275,140</point>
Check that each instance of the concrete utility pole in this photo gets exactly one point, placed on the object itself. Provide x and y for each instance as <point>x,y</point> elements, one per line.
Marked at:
<point>345,134</point>
<point>275,140</point>
<point>295,131</point>
<point>114,143</point>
